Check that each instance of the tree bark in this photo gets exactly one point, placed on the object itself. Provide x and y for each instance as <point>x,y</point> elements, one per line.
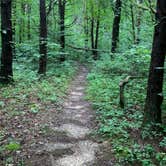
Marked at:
<point>22,23</point>
<point>87,49</point>
<point>43,38</point>
<point>116,26</point>
<point>61,6</point>
<point>14,11</point>
<point>86,22</point>
<point>23,8</point>
<point>95,25</point>
<point>154,97</point>
<point>133,24</point>
<point>138,25</point>
<point>92,34</point>
<point>95,53</point>
<point>6,33</point>
<point>29,21</point>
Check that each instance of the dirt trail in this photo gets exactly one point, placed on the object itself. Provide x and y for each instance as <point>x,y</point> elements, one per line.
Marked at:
<point>71,143</point>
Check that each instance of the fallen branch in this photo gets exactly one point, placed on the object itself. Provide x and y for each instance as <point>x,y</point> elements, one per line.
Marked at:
<point>122,86</point>
<point>86,49</point>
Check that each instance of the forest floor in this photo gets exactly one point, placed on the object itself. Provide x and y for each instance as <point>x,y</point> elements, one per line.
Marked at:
<point>69,141</point>
<point>62,138</point>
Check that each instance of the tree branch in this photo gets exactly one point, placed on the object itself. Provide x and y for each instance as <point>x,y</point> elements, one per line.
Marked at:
<point>87,49</point>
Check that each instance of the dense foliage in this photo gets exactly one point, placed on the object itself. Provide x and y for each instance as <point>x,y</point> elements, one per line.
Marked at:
<point>131,145</point>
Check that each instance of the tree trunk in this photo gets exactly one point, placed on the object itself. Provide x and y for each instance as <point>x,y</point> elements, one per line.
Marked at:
<point>154,97</point>
<point>23,7</point>
<point>29,21</point>
<point>14,11</point>
<point>61,6</point>
<point>6,32</point>
<point>95,53</point>
<point>54,25</point>
<point>95,25</point>
<point>86,22</point>
<point>43,38</point>
<point>138,25</point>
<point>20,30</point>
<point>116,25</point>
<point>133,24</point>
<point>22,23</point>
<point>92,35</point>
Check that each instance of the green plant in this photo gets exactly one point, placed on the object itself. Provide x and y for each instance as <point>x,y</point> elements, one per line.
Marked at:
<point>122,126</point>
<point>163,142</point>
<point>12,146</point>
<point>161,157</point>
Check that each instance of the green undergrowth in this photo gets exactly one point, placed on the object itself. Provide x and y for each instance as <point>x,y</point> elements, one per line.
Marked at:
<point>27,83</point>
<point>23,103</point>
<point>122,127</point>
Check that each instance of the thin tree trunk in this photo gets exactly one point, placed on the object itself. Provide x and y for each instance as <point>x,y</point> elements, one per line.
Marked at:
<point>54,25</point>
<point>138,25</point>
<point>6,33</point>
<point>23,6</point>
<point>29,22</point>
<point>133,24</point>
<point>43,38</point>
<point>95,54</point>
<point>154,97</point>
<point>21,23</point>
<point>61,6</point>
<point>20,30</point>
<point>116,26</point>
<point>86,33</point>
<point>92,35</point>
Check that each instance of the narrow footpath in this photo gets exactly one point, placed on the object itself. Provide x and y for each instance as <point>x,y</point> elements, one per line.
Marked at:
<point>73,144</point>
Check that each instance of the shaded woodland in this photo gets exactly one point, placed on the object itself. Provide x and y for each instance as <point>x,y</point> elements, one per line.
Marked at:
<point>119,46</point>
